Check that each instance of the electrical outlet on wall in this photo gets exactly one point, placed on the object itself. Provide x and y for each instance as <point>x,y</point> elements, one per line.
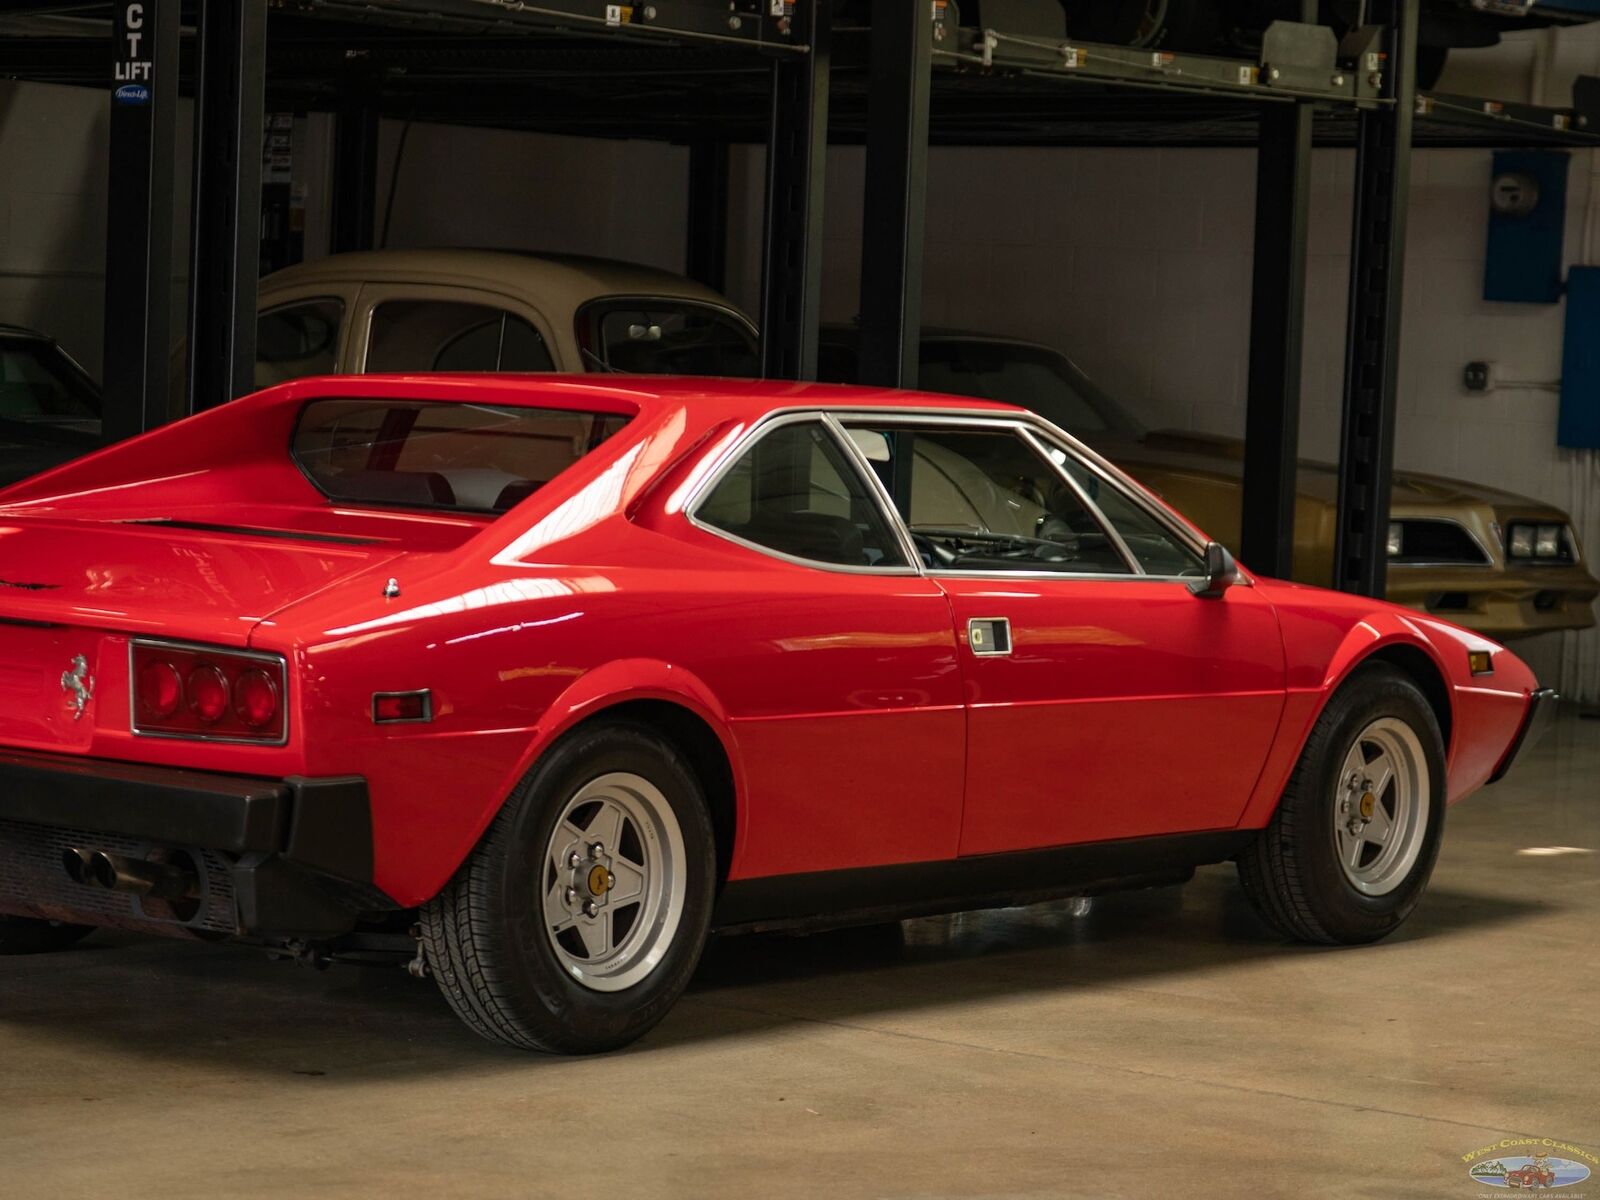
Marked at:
<point>1479,376</point>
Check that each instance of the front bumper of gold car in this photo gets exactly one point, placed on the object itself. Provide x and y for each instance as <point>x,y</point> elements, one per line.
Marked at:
<point>1499,602</point>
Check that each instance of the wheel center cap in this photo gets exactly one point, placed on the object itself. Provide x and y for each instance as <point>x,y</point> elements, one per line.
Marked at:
<point>1369,805</point>
<point>599,880</point>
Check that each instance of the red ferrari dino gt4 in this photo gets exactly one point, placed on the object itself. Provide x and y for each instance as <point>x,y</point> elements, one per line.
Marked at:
<point>533,682</point>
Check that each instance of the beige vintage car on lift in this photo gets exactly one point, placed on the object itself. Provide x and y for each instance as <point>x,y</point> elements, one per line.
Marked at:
<point>1498,563</point>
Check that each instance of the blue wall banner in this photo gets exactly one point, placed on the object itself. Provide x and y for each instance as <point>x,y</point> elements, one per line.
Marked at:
<point>1527,226</point>
<point>1579,423</point>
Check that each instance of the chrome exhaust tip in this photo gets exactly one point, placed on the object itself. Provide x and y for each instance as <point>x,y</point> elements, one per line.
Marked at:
<point>142,877</point>
<point>77,864</point>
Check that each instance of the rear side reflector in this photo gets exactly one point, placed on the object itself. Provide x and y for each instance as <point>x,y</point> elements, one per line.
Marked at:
<point>210,694</point>
<point>395,708</point>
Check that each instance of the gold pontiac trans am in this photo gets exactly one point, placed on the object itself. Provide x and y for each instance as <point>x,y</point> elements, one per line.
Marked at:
<point>1501,564</point>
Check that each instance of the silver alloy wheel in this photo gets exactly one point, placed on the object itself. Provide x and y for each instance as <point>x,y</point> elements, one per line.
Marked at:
<point>1381,806</point>
<point>614,882</point>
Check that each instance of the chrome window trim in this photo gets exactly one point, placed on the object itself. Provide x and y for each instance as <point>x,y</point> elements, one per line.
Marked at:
<point>1097,464</point>
<point>885,501</point>
<point>1089,505</point>
<point>1129,488</point>
<point>749,438</point>
<point>1022,424</point>
<point>278,660</point>
<point>980,417</point>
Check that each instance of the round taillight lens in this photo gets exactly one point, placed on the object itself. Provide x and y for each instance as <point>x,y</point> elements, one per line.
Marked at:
<point>208,694</point>
<point>160,689</point>
<point>255,698</point>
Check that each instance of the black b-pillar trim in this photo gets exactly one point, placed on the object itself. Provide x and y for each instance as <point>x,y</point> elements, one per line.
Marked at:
<point>1372,347</point>
<point>139,223</point>
<point>899,85</point>
<point>225,256</point>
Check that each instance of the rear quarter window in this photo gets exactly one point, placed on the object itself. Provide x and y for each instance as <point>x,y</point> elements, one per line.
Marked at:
<point>419,454</point>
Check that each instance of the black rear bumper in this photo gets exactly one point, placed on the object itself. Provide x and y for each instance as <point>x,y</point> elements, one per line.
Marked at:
<point>1541,711</point>
<point>281,857</point>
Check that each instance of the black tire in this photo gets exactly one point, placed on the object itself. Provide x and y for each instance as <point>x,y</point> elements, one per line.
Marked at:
<point>1291,873</point>
<point>484,936</point>
<point>25,935</point>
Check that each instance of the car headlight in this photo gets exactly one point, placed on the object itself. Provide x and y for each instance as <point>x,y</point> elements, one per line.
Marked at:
<point>1540,541</point>
<point>1397,538</point>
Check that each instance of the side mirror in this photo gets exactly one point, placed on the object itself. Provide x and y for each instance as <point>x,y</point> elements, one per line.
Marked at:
<point>1221,572</point>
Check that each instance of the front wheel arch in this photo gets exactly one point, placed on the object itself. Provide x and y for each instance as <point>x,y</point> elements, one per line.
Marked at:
<point>1425,673</point>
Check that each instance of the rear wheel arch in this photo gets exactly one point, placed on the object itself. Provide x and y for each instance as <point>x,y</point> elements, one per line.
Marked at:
<point>702,748</point>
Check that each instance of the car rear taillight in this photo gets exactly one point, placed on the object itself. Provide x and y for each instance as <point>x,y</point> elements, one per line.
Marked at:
<point>189,691</point>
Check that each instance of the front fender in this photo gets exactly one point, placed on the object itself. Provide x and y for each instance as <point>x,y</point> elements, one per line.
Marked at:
<point>1321,655</point>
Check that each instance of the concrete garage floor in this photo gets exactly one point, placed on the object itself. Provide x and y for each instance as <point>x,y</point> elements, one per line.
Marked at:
<point>1163,1046</point>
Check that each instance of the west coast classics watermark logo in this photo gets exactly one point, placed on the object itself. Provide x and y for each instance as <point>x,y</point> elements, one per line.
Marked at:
<point>1530,1164</point>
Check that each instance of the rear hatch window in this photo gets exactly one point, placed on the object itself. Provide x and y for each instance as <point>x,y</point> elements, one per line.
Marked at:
<point>419,454</point>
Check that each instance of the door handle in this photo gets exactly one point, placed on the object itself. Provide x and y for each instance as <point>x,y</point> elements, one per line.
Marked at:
<point>989,635</point>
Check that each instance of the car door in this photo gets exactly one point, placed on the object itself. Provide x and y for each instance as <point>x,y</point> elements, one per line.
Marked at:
<point>1105,700</point>
<point>833,657</point>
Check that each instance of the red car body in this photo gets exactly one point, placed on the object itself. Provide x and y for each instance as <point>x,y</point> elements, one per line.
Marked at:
<point>839,718</point>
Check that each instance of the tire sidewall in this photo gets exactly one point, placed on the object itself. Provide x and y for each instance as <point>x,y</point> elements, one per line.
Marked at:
<point>580,1018</point>
<point>1344,912</point>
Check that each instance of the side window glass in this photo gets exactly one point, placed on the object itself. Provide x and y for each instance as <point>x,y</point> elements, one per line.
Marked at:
<point>451,335</point>
<point>795,492</point>
<point>667,337</point>
<point>296,340</point>
<point>1158,550</point>
<point>983,500</point>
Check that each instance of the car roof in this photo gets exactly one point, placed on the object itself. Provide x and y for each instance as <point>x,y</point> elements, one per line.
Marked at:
<point>746,398</point>
<point>570,279</point>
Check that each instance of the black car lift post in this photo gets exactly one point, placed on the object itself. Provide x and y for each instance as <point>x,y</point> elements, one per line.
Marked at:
<point>705,254</point>
<point>355,177</point>
<point>1372,347</point>
<point>139,223</point>
<point>797,153</point>
<point>899,87</point>
<point>225,254</point>
<point>1277,331</point>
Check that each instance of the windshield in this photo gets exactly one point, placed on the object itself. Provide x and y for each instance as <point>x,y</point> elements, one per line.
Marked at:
<point>666,337</point>
<point>1032,377</point>
<point>416,454</point>
<point>39,384</point>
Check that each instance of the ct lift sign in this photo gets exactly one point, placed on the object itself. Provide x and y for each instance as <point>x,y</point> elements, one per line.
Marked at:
<point>131,77</point>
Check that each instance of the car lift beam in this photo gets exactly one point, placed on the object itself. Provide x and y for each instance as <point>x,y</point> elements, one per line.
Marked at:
<point>355,178</point>
<point>1277,333</point>
<point>797,152</point>
<point>705,253</point>
<point>1372,346</point>
<point>899,88</point>
<point>225,254</point>
<point>139,228</point>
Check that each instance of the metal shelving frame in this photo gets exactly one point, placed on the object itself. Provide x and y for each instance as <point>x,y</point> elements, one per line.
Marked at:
<point>709,73</point>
